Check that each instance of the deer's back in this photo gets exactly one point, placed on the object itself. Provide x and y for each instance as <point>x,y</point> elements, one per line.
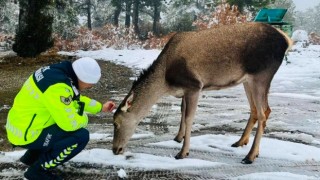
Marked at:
<point>220,57</point>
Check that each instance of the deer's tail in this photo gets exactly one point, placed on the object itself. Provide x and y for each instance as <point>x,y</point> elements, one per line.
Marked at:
<point>288,39</point>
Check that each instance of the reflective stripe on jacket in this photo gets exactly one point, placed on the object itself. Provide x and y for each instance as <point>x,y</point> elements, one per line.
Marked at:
<point>48,97</point>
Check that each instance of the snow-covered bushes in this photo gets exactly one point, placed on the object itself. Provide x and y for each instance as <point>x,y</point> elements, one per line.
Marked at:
<point>300,37</point>
<point>9,12</point>
<point>109,36</point>
<point>314,38</point>
<point>223,14</point>
<point>6,41</point>
<point>119,37</point>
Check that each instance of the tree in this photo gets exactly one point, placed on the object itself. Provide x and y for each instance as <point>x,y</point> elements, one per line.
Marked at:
<point>287,4</point>
<point>65,19</point>
<point>156,17</point>
<point>34,32</point>
<point>85,7</point>
<point>309,20</point>
<point>155,14</point>
<point>251,5</point>
<point>118,5</point>
<point>181,14</point>
<point>8,16</point>
<point>88,3</point>
<point>135,16</point>
<point>316,22</point>
<point>128,13</point>
<point>102,13</point>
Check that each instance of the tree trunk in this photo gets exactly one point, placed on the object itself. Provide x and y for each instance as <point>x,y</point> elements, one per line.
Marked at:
<point>198,4</point>
<point>117,13</point>
<point>89,14</point>
<point>156,18</point>
<point>128,13</point>
<point>135,18</point>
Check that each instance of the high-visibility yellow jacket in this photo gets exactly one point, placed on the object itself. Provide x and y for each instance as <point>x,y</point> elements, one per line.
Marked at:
<point>49,96</point>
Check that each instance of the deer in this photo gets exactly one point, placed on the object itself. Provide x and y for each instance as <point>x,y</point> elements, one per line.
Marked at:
<point>212,59</point>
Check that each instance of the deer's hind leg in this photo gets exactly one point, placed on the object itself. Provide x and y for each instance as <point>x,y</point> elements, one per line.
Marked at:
<point>244,140</point>
<point>259,87</point>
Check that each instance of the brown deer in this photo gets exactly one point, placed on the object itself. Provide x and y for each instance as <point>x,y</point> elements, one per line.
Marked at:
<point>211,59</point>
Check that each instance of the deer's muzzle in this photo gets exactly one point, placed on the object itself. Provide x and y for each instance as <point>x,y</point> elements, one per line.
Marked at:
<point>117,150</point>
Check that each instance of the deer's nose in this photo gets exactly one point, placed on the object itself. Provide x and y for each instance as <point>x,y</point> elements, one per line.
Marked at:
<point>117,150</point>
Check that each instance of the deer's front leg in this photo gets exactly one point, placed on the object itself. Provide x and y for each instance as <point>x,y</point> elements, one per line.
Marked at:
<point>179,137</point>
<point>191,102</point>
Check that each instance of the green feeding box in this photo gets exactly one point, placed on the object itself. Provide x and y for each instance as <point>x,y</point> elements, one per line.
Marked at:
<point>274,17</point>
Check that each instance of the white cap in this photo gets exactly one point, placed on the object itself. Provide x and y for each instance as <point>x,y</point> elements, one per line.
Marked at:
<point>87,70</point>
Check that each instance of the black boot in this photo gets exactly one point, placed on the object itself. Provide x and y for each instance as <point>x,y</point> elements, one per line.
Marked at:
<point>30,157</point>
<point>36,172</point>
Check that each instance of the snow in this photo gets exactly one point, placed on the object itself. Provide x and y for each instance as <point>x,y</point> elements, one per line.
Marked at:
<point>99,136</point>
<point>132,58</point>
<point>210,143</point>
<point>274,175</point>
<point>297,82</point>
<point>283,150</point>
<point>300,35</point>
<point>122,174</point>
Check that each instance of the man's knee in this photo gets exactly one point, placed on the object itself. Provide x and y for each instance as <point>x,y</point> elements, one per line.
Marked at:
<point>83,135</point>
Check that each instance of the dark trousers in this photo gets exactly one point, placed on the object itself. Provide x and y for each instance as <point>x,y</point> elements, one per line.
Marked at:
<point>56,146</point>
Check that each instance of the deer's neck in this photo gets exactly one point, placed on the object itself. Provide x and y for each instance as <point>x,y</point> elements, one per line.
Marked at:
<point>148,91</point>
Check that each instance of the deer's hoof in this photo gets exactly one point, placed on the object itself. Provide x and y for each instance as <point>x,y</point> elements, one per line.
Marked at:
<point>246,160</point>
<point>238,144</point>
<point>181,156</point>
<point>179,140</point>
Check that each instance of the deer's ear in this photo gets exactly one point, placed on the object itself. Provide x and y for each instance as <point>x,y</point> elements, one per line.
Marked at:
<point>128,103</point>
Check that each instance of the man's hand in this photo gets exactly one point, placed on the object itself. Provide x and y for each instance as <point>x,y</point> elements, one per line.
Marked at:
<point>109,106</point>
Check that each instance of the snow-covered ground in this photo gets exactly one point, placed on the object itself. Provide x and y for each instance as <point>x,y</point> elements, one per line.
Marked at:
<point>294,99</point>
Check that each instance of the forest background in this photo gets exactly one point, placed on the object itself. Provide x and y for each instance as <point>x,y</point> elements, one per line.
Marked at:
<point>31,27</point>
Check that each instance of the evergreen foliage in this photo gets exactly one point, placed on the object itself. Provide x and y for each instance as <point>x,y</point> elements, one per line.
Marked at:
<point>65,19</point>
<point>251,5</point>
<point>127,23</point>
<point>34,34</point>
<point>8,16</point>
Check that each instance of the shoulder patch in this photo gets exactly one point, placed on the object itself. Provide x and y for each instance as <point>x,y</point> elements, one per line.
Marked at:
<point>66,100</point>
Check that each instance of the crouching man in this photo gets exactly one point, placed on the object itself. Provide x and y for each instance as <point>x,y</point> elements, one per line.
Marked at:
<point>48,117</point>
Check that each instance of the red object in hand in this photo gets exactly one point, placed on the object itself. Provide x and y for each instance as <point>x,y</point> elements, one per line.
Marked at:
<point>111,106</point>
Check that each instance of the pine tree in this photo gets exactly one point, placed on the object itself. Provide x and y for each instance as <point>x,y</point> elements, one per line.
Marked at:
<point>251,5</point>
<point>181,14</point>
<point>34,32</point>
<point>65,18</point>
<point>102,13</point>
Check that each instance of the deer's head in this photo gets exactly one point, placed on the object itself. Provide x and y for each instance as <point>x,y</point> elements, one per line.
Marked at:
<point>125,123</point>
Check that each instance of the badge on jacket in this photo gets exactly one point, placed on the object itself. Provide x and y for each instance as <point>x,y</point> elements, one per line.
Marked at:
<point>66,100</point>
